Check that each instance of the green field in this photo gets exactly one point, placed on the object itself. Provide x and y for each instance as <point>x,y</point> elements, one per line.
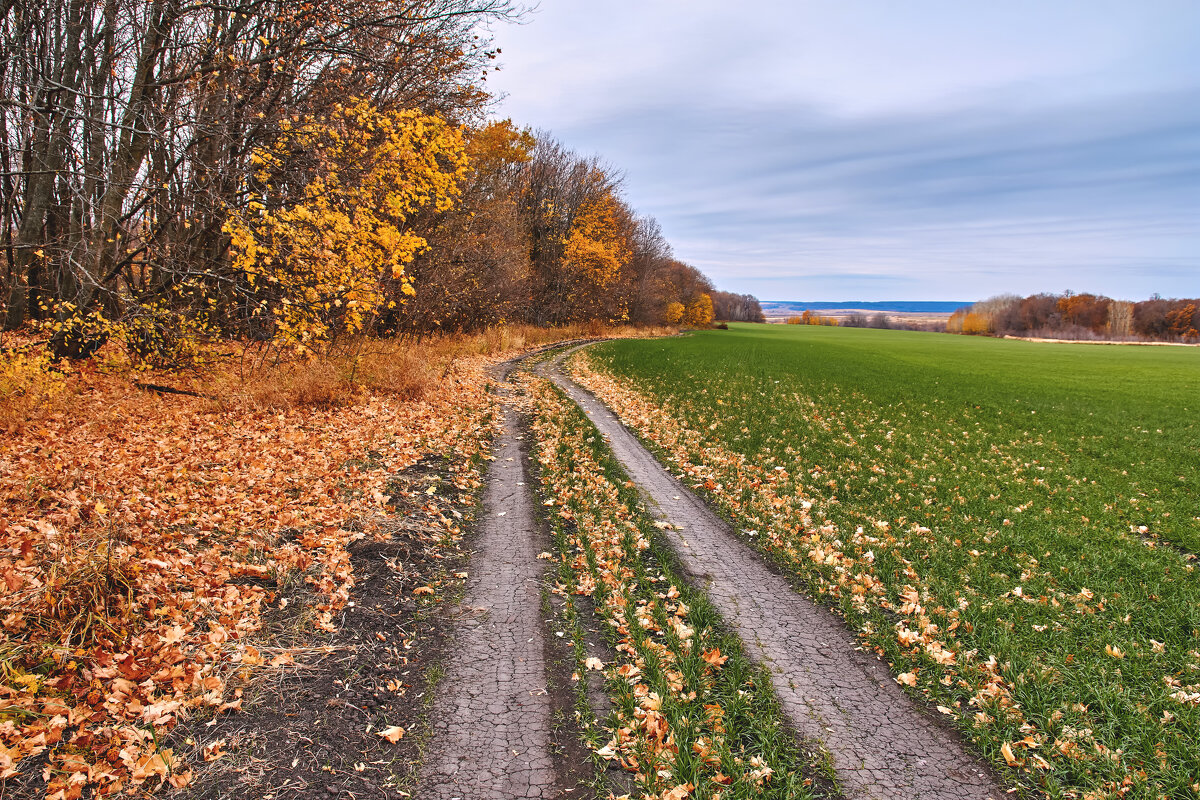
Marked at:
<point>1013,524</point>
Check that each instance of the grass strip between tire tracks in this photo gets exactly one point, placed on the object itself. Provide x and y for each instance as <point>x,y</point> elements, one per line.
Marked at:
<point>692,716</point>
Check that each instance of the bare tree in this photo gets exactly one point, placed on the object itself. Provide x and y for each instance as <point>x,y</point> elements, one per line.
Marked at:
<point>128,128</point>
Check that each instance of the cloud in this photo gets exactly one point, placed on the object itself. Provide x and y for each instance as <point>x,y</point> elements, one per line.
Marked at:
<point>1043,198</point>
<point>954,155</point>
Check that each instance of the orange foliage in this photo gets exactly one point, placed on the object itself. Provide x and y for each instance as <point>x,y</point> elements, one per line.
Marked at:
<point>1182,322</point>
<point>1085,310</point>
<point>597,248</point>
<point>809,318</point>
<point>498,144</point>
<point>976,324</point>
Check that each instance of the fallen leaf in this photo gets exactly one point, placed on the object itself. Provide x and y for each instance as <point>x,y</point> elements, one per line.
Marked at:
<point>393,734</point>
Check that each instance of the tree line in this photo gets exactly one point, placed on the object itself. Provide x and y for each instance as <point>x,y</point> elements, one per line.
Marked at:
<point>1081,316</point>
<point>300,172</point>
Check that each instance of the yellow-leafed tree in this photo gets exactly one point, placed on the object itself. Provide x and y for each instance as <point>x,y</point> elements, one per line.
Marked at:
<point>329,235</point>
<point>475,272</point>
<point>674,312</point>
<point>699,312</point>
<point>595,253</point>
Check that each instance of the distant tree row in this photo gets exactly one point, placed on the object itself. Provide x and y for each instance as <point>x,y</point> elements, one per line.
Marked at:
<point>858,319</point>
<point>1080,316</point>
<point>299,172</point>
<point>809,318</point>
<point>730,307</point>
<point>882,321</point>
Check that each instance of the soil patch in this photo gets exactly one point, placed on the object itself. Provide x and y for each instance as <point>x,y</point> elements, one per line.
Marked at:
<point>491,727</point>
<point>312,730</point>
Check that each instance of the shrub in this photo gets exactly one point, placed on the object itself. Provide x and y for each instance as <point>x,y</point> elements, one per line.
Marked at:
<point>161,340</point>
<point>28,380</point>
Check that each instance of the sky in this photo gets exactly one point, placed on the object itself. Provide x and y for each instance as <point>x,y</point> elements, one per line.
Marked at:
<point>885,150</point>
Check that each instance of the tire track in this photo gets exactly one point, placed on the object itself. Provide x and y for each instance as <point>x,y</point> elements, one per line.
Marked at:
<point>491,726</point>
<point>882,746</point>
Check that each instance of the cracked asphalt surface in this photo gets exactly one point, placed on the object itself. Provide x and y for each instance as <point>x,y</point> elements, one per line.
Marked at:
<point>491,722</point>
<point>882,745</point>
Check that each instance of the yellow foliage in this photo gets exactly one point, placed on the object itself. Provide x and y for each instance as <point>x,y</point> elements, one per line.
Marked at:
<point>596,247</point>
<point>969,322</point>
<point>29,383</point>
<point>699,312</point>
<point>322,260</point>
<point>29,372</point>
<point>499,143</point>
<point>809,318</point>
<point>673,313</point>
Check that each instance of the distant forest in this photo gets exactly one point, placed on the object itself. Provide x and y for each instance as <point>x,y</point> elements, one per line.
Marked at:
<point>730,307</point>
<point>1081,316</point>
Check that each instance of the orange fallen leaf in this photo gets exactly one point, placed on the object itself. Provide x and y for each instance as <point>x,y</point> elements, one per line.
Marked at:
<point>393,734</point>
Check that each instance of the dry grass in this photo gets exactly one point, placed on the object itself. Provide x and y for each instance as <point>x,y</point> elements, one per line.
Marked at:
<point>259,376</point>
<point>405,369</point>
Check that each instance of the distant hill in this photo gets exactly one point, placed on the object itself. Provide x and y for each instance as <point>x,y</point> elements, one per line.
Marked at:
<point>780,307</point>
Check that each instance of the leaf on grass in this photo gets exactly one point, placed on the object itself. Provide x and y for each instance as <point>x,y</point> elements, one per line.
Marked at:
<point>594,663</point>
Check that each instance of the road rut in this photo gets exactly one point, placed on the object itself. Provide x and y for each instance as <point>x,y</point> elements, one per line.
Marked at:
<point>882,746</point>
<point>491,727</point>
